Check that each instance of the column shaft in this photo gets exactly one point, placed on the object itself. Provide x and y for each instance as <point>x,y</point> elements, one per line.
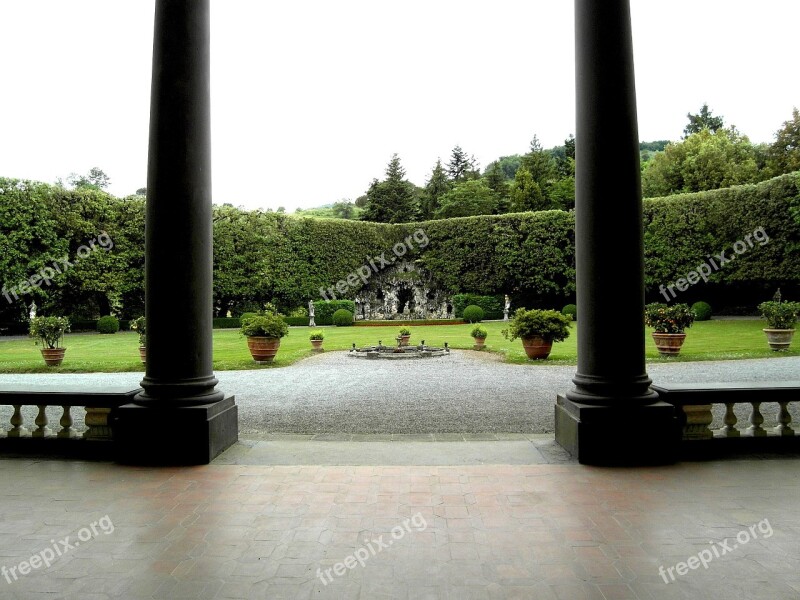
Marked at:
<point>178,237</point>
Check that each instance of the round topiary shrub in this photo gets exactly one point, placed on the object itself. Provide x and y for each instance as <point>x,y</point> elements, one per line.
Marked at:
<point>108,324</point>
<point>571,311</point>
<point>702,311</point>
<point>473,314</point>
<point>342,318</point>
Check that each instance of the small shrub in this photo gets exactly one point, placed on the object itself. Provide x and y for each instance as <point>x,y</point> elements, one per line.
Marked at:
<point>49,330</point>
<point>324,310</point>
<point>317,334</point>
<point>668,319</point>
<point>492,305</point>
<point>108,324</point>
<point>780,315</point>
<point>549,325</point>
<point>404,331</point>
<point>702,311</point>
<point>479,331</point>
<point>571,311</point>
<point>299,312</point>
<point>342,318</point>
<point>266,325</point>
<point>139,325</point>
<point>473,313</point>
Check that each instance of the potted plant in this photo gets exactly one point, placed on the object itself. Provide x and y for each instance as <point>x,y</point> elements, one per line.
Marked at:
<point>479,334</point>
<point>404,336</point>
<point>538,329</point>
<point>781,318</point>
<point>50,331</point>
<point>669,324</point>
<point>139,326</point>
<point>316,338</point>
<point>264,332</point>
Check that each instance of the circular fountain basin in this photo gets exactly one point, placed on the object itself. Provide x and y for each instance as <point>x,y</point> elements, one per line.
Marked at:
<point>398,352</point>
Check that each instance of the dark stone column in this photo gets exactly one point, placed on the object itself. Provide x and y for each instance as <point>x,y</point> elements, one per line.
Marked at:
<point>180,416</point>
<point>612,415</point>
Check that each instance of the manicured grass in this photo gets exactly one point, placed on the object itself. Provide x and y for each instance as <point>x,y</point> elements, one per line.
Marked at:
<point>707,340</point>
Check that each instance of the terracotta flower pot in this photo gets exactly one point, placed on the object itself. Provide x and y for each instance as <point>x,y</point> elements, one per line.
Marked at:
<point>479,343</point>
<point>404,340</point>
<point>316,345</point>
<point>263,349</point>
<point>53,356</point>
<point>669,344</point>
<point>143,354</point>
<point>537,348</point>
<point>779,339</point>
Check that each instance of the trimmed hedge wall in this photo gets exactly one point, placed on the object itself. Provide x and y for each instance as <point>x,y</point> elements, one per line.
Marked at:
<point>287,260</point>
<point>409,323</point>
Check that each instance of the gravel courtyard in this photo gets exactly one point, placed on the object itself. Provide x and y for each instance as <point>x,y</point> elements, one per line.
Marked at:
<point>465,392</point>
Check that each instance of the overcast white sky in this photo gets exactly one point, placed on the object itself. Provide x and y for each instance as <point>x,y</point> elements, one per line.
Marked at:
<point>310,99</point>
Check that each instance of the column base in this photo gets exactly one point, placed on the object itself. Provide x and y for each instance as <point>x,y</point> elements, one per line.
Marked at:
<point>627,435</point>
<point>170,435</point>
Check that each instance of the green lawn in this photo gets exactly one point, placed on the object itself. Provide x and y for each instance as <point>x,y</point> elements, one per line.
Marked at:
<point>708,340</point>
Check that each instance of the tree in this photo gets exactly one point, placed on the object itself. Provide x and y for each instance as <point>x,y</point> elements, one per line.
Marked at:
<point>96,179</point>
<point>702,120</point>
<point>783,156</point>
<point>281,210</point>
<point>343,209</point>
<point>509,165</point>
<point>541,166</point>
<point>495,180</point>
<point>436,187</point>
<point>525,193</point>
<point>141,192</point>
<point>703,161</point>
<point>393,199</point>
<point>461,166</point>
<point>467,199</point>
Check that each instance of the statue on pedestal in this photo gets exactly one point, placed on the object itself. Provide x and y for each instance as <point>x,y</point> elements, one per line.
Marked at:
<point>311,322</point>
<point>506,307</point>
<point>33,310</point>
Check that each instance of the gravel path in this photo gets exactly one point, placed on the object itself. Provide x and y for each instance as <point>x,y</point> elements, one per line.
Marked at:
<point>465,392</point>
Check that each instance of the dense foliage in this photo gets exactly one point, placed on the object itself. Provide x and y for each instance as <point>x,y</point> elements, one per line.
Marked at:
<point>701,310</point>
<point>108,324</point>
<point>550,325</point>
<point>49,330</point>
<point>664,318</point>
<point>473,314</point>
<point>343,318</point>
<point>780,315</point>
<point>266,256</point>
<point>492,305</point>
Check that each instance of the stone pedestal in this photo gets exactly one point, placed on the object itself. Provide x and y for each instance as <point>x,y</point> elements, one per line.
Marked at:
<point>185,435</point>
<point>603,435</point>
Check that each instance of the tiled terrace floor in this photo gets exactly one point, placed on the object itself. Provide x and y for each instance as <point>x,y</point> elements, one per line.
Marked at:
<point>543,531</point>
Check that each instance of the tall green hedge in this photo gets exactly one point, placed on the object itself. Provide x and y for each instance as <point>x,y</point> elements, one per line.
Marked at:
<point>287,260</point>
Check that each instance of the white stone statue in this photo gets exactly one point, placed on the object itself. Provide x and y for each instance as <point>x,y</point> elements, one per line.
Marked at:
<point>311,322</point>
<point>33,310</point>
<point>505,309</point>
